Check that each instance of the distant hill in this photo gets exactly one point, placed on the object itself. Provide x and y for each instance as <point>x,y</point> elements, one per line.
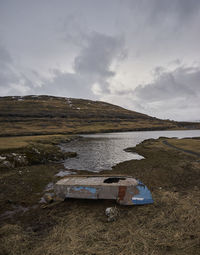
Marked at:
<point>34,115</point>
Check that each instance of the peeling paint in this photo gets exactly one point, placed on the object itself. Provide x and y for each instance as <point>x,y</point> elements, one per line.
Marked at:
<point>90,189</point>
<point>144,196</point>
<point>124,189</point>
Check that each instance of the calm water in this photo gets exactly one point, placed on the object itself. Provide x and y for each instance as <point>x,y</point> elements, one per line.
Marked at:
<point>102,151</point>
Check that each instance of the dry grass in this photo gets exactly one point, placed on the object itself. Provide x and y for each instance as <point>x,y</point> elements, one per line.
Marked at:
<point>14,240</point>
<point>138,230</point>
<point>53,115</point>
<point>187,144</point>
<point>23,141</point>
<point>170,226</point>
<point>75,126</point>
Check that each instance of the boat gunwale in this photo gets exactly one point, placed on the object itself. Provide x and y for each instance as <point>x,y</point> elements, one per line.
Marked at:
<point>61,182</point>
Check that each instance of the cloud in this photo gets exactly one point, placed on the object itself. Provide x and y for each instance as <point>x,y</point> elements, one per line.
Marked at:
<point>92,66</point>
<point>96,58</point>
<point>66,84</point>
<point>173,94</point>
<point>156,10</point>
<point>183,82</point>
<point>12,82</point>
<point>78,49</point>
<point>7,76</point>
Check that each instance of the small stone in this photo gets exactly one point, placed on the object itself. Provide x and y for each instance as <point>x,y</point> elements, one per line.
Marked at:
<point>42,201</point>
<point>49,187</point>
<point>49,197</point>
<point>7,164</point>
<point>112,213</point>
<point>2,158</point>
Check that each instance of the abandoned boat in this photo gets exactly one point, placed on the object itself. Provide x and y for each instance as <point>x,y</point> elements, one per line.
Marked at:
<point>124,189</point>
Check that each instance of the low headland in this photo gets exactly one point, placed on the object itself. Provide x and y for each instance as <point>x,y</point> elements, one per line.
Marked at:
<point>48,115</point>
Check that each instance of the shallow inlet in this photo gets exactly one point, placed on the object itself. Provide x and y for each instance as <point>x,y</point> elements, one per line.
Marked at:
<point>98,152</point>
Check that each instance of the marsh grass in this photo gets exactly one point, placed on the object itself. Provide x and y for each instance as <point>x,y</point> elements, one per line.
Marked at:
<point>187,144</point>
<point>170,226</point>
<point>12,143</point>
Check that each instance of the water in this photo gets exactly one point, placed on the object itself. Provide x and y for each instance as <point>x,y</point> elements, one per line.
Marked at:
<point>98,152</point>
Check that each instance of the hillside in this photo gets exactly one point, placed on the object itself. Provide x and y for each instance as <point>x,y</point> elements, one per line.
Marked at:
<point>34,115</point>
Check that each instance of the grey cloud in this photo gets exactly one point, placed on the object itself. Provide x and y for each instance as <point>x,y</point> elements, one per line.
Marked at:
<point>66,84</point>
<point>11,81</point>
<point>74,32</point>
<point>97,56</point>
<point>182,82</point>
<point>5,57</point>
<point>92,65</point>
<point>161,30</point>
<point>159,10</point>
<point>174,94</point>
<point>46,35</point>
<point>7,76</point>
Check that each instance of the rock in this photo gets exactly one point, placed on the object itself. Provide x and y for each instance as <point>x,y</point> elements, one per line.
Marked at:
<point>63,173</point>
<point>16,160</point>
<point>2,158</point>
<point>42,201</point>
<point>7,164</point>
<point>49,187</point>
<point>112,213</point>
<point>20,160</point>
<point>48,197</point>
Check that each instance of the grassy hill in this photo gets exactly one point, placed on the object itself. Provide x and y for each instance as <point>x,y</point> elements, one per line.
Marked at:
<point>34,115</point>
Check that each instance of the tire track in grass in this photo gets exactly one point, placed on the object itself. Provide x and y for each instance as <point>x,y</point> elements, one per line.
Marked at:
<point>180,149</point>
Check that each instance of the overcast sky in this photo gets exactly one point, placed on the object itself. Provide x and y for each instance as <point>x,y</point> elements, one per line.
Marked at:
<point>143,55</point>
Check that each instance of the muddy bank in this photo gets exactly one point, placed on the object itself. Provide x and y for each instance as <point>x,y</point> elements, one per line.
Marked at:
<point>169,226</point>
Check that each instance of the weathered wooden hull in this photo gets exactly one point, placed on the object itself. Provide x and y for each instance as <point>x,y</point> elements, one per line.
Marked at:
<point>124,189</point>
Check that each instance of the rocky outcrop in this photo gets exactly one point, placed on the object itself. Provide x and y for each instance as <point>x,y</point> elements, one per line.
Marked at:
<point>33,154</point>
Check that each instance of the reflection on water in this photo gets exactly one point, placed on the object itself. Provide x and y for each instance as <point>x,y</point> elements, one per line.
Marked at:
<point>101,151</point>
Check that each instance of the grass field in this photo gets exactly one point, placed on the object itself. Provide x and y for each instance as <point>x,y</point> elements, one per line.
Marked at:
<point>170,226</point>
<point>12,143</point>
<point>47,115</point>
<point>187,144</point>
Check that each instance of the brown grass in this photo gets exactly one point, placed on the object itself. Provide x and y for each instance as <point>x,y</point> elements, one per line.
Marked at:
<point>52,115</point>
<point>170,226</point>
<point>187,144</point>
<point>67,126</point>
<point>23,141</point>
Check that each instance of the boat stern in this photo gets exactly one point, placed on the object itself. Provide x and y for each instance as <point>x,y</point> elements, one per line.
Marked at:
<point>135,195</point>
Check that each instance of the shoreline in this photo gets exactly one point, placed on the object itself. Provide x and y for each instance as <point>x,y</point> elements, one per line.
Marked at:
<point>96,132</point>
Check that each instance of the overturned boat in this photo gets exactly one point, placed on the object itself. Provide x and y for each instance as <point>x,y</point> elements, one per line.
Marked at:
<point>124,189</point>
